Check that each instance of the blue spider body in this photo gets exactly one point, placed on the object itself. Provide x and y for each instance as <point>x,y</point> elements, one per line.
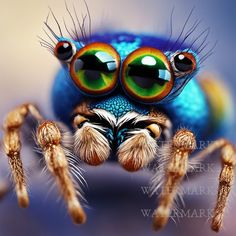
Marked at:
<point>190,109</point>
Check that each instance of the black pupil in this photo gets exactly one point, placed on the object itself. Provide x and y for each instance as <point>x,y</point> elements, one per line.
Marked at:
<point>65,51</point>
<point>92,63</point>
<point>145,76</point>
<point>183,63</point>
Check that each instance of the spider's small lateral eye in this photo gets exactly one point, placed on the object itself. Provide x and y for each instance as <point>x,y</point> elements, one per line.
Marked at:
<point>95,68</point>
<point>183,63</point>
<point>64,50</point>
<point>147,75</point>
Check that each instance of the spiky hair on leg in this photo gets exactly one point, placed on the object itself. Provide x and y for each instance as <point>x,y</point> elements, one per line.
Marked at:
<point>159,166</point>
<point>74,164</point>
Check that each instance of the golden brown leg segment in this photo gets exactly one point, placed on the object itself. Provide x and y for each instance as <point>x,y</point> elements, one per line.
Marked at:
<point>225,183</point>
<point>12,147</point>
<point>226,178</point>
<point>49,138</point>
<point>183,144</point>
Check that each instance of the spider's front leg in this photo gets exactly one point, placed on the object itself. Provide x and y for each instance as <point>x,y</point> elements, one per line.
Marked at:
<point>49,138</point>
<point>226,178</point>
<point>12,147</point>
<point>182,144</point>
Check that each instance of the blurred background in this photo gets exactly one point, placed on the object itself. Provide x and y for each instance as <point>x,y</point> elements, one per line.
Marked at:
<point>118,202</point>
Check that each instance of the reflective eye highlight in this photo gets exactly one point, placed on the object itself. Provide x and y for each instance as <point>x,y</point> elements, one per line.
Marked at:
<point>147,75</point>
<point>95,68</point>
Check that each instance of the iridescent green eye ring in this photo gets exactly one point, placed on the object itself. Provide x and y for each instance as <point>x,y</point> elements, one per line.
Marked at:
<point>95,68</point>
<point>147,75</point>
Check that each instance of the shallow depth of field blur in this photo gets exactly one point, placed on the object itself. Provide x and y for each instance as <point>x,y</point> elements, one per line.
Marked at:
<point>116,199</point>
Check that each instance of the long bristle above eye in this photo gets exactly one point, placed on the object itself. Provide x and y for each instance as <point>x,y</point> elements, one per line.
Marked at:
<point>82,30</point>
<point>51,31</point>
<point>205,32</point>
<point>46,45</point>
<point>78,32</point>
<point>90,19</point>
<point>199,43</point>
<point>58,25</point>
<point>190,31</point>
<point>209,53</point>
<point>182,31</point>
<point>83,27</point>
<point>73,22</point>
<point>49,37</point>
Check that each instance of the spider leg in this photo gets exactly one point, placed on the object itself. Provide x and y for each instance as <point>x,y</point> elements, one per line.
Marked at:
<point>182,144</point>
<point>12,147</point>
<point>226,177</point>
<point>49,138</point>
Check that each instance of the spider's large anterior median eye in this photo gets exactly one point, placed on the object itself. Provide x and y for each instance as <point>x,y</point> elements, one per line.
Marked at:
<point>147,75</point>
<point>183,63</point>
<point>95,68</point>
<point>64,50</point>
